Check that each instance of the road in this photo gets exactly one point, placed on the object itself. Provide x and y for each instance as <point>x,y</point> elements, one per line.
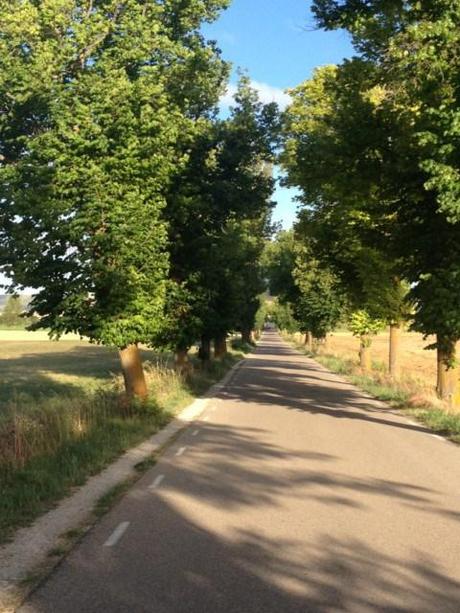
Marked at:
<point>292,493</point>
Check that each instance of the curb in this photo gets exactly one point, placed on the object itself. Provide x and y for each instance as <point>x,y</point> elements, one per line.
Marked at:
<point>27,555</point>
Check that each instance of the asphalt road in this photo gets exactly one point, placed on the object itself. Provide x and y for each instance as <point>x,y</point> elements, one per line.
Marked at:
<point>292,493</point>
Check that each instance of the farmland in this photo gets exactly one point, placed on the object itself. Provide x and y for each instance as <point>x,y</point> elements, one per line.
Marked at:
<point>31,364</point>
<point>416,361</point>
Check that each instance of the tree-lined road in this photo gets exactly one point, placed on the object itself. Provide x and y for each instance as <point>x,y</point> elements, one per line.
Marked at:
<point>293,492</point>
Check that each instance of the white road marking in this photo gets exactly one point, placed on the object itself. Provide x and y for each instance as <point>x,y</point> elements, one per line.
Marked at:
<point>157,482</point>
<point>117,534</point>
<point>195,433</point>
<point>181,451</point>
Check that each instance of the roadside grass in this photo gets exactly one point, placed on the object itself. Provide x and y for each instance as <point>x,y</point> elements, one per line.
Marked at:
<point>55,433</point>
<point>408,395</point>
<point>238,344</point>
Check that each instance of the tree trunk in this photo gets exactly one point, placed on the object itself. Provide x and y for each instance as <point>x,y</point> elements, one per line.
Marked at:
<point>181,361</point>
<point>365,353</point>
<point>204,352</point>
<point>133,373</point>
<point>220,346</point>
<point>448,373</point>
<point>309,341</point>
<point>393,360</point>
<point>246,335</point>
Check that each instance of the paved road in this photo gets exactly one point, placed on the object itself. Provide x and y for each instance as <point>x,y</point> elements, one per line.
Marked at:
<point>293,493</point>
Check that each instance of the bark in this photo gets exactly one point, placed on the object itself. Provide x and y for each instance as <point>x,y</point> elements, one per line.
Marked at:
<point>181,361</point>
<point>448,372</point>
<point>204,352</point>
<point>133,373</point>
<point>220,346</point>
<point>393,359</point>
<point>309,341</point>
<point>365,353</point>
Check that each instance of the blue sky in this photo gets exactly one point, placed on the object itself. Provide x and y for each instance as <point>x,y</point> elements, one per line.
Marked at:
<point>276,42</point>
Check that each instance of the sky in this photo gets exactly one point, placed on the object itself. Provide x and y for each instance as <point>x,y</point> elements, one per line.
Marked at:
<point>277,43</point>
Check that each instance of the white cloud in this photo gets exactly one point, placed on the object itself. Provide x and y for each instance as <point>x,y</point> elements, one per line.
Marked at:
<point>267,93</point>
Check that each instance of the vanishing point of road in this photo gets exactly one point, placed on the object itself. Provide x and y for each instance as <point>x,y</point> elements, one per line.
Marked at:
<point>293,492</point>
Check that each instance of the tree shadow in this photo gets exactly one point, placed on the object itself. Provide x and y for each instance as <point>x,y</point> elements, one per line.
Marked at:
<point>311,392</point>
<point>190,548</point>
<point>44,374</point>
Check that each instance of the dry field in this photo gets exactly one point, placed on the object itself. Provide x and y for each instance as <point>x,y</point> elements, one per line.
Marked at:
<point>33,365</point>
<point>416,362</point>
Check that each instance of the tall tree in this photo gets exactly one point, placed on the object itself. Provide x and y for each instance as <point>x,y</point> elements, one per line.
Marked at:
<point>337,152</point>
<point>92,98</point>
<point>414,46</point>
<point>218,212</point>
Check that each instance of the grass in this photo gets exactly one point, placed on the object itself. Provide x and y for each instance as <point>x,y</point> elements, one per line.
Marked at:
<point>63,418</point>
<point>407,395</point>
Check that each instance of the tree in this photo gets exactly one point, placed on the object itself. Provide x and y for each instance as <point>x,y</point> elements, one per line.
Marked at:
<point>414,46</point>
<point>12,311</point>
<point>347,217</point>
<point>218,213</point>
<point>321,302</point>
<point>88,144</point>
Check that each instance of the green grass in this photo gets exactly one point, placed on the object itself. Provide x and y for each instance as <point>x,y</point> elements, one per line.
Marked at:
<point>239,345</point>
<point>398,395</point>
<point>56,432</point>
<point>441,422</point>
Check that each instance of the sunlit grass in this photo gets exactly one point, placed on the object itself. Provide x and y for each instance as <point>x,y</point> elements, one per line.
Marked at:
<point>68,419</point>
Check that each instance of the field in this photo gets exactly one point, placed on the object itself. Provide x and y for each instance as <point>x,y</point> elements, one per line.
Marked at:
<point>32,365</point>
<point>416,361</point>
<point>63,416</point>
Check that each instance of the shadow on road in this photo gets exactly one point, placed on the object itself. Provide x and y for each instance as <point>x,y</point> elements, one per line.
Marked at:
<point>168,563</point>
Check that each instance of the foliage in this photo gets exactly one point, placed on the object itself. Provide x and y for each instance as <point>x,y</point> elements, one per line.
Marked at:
<point>13,313</point>
<point>363,325</point>
<point>347,217</point>
<point>411,48</point>
<point>278,262</point>
<point>218,213</point>
<point>94,104</point>
<point>281,314</point>
<point>321,303</point>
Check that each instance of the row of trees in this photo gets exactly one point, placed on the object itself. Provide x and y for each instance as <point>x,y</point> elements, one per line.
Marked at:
<point>373,146</point>
<point>135,212</point>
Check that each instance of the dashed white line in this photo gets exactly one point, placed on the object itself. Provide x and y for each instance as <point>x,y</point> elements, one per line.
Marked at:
<point>157,482</point>
<point>195,433</point>
<point>181,451</point>
<point>117,534</point>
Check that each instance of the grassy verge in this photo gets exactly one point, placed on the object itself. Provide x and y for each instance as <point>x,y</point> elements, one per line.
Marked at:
<point>407,395</point>
<point>52,443</point>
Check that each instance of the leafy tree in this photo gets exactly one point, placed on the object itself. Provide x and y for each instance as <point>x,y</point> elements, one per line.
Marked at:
<point>363,325</point>
<point>413,45</point>
<point>321,303</point>
<point>279,259</point>
<point>94,97</point>
<point>218,212</point>
<point>348,217</point>
<point>12,311</point>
